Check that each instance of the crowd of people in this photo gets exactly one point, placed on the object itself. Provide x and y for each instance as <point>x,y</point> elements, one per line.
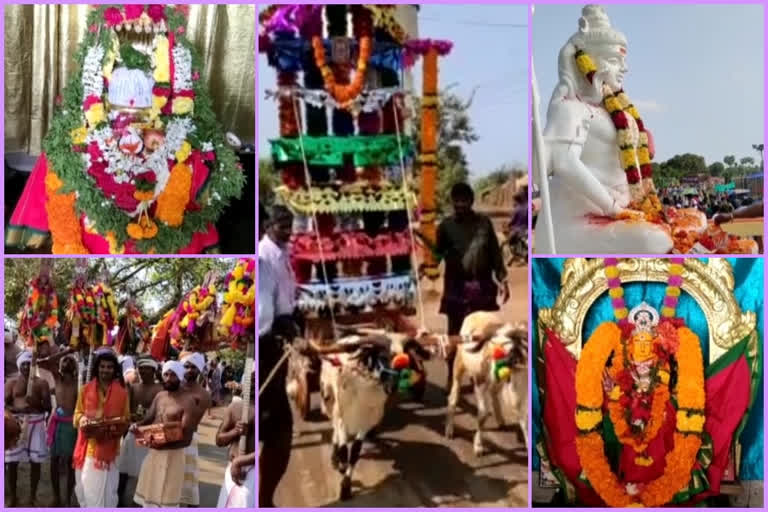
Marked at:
<point>95,433</point>
<point>710,203</point>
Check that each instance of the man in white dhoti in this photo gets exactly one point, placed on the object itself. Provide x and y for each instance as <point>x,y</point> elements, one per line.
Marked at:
<point>28,402</point>
<point>141,395</point>
<point>199,401</point>
<point>95,459</point>
<point>162,473</point>
<point>239,488</point>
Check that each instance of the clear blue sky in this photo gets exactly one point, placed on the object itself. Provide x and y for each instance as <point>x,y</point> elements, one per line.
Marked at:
<point>695,71</point>
<point>490,52</point>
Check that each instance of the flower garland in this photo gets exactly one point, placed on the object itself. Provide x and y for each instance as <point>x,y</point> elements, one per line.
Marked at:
<point>39,318</point>
<point>632,140</point>
<point>106,312</point>
<point>674,282</point>
<point>346,94</point>
<point>190,316</point>
<point>81,314</point>
<point>62,219</point>
<point>83,148</point>
<point>132,331</point>
<point>607,341</point>
<point>429,50</point>
<point>238,311</point>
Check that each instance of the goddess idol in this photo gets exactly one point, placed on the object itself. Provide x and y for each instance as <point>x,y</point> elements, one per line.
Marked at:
<point>634,416</point>
<point>599,151</point>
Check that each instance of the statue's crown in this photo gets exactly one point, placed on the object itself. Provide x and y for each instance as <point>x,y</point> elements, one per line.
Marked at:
<point>643,322</point>
<point>595,27</point>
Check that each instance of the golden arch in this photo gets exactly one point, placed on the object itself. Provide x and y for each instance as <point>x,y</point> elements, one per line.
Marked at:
<point>710,283</point>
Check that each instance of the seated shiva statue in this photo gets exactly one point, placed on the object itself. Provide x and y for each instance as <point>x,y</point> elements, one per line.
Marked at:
<point>602,195</point>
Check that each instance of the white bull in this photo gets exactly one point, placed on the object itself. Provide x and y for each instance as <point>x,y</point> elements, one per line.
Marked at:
<point>355,387</point>
<point>508,398</point>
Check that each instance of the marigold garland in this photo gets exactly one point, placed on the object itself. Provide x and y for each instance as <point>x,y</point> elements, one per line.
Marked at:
<point>63,221</point>
<point>634,152</point>
<point>81,314</point>
<point>39,317</point>
<point>238,309</point>
<point>172,202</point>
<point>689,419</point>
<point>430,51</point>
<point>345,94</point>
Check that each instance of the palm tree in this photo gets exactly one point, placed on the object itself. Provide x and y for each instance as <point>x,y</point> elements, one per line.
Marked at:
<point>759,149</point>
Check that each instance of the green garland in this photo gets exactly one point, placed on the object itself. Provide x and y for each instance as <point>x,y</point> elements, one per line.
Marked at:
<point>134,59</point>
<point>224,183</point>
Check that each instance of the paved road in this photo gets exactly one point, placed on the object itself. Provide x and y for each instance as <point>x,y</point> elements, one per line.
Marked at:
<point>410,463</point>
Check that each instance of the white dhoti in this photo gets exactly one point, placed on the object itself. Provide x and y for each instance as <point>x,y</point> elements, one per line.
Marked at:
<point>238,496</point>
<point>32,445</point>
<point>161,479</point>
<point>96,488</point>
<point>131,456</point>
<point>190,493</point>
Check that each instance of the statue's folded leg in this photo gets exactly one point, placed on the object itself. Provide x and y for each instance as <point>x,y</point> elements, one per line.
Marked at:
<point>605,236</point>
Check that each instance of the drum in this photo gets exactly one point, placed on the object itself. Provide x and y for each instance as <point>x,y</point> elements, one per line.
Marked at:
<point>159,434</point>
<point>111,428</point>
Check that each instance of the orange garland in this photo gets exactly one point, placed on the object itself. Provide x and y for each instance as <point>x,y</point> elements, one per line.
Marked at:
<point>175,197</point>
<point>689,421</point>
<point>428,159</point>
<point>344,94</point>
<point>62,218</point>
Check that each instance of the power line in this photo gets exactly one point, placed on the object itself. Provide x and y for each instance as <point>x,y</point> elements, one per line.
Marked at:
<point>475,23</point>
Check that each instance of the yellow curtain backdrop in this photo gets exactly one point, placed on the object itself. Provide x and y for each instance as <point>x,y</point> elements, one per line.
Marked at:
<point>41,40</point>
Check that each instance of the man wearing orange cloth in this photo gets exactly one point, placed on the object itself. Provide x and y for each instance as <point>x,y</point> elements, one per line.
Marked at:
<point>95,459</point>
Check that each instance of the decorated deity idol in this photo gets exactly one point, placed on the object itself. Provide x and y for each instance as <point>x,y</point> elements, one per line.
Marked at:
<point>135,160</point>
<point>634,419</point>
<point>599,152</point>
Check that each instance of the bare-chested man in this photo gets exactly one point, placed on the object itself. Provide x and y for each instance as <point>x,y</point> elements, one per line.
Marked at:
<point>239,489</point>
<point>29,404</point>
<point>162,474</point>
<point>141,395</point>
<point>199,401</point>
<point>61,431</point>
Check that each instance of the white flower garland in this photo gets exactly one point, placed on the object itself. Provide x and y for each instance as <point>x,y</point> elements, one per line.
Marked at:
<point>182,74</point>
<point>93,79</point>
<point>124,167</point>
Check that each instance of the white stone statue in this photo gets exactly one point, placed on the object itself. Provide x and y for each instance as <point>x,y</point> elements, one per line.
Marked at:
<point>589,190</point>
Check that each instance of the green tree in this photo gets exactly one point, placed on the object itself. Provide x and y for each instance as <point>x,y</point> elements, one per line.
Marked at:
<point>716,169</point>
<point>155,284</point>
<point>495,178</point>
<point>759,149</point>
<point>268,180</point>
<point>729,160</point>
<point>455,130</point>
<point>747,161</point>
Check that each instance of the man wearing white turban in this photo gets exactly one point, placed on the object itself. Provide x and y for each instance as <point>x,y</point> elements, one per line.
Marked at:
<point>199,401</point>
<point>142,394</point>
<point>161,478</point>
<point>29,409</point>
